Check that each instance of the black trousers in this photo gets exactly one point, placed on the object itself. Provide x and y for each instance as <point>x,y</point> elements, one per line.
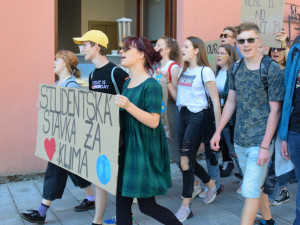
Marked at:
<point>190,139</point>
<point>147,206</point>
<point>56,179</point>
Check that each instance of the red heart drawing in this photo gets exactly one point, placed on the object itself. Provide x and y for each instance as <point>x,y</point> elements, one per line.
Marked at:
<point>50,147</point>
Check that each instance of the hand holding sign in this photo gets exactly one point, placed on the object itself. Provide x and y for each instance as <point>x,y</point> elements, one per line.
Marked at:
<point>122,101</point>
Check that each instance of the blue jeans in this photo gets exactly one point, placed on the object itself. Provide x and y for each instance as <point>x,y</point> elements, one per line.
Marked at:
<point>294,151</point>
<point>213,170</point>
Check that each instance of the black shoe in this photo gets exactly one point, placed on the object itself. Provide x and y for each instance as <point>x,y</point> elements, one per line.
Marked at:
<point>33,217</point>
<point>220,189</point>
<point>238,175</point>
<point>282,198</point>
<point>85,205</point>
<point>226,169</point>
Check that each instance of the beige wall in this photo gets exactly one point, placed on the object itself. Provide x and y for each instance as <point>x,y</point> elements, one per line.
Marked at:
<point>27,46</point>
<point>100,10</point>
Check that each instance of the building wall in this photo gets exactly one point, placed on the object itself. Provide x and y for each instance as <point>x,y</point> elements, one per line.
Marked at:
<point>207,20</point>
<point>27,46</point>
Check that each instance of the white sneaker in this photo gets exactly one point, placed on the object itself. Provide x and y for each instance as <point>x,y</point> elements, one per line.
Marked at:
<point>203,193</point>
<point>184,213</point>
<point>196,192</point>
<point>239,190</point>
<point>210,196</point>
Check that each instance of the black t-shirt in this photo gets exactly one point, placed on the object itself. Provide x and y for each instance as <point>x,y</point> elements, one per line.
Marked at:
<point>100,79</point>
<point>295,117</point>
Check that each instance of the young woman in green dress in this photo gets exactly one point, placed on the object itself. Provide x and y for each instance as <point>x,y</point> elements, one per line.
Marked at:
<point>144,170</point>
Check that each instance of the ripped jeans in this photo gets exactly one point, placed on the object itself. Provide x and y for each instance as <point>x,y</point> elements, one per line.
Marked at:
<point>190,139</point>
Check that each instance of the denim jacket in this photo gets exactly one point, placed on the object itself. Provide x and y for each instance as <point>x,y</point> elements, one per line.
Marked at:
<point>291,71</point>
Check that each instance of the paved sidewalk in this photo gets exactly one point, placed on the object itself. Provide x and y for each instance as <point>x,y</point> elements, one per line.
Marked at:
<point>225,210</point>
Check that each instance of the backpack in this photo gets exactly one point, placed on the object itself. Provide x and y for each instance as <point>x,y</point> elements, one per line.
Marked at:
<point>264,67</point>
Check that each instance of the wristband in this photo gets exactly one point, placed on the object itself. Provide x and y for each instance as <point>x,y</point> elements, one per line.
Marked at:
<point>264,148</point>
<point>168,82</point>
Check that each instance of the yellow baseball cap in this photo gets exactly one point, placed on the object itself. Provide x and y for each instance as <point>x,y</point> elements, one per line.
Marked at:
<point>96,36</point>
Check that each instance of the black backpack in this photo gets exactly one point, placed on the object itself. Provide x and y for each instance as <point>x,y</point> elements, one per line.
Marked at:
<point>264,67</point>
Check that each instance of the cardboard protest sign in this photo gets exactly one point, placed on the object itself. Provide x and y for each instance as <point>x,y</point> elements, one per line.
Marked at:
<point>78,130</point>
<point>268,15</point>
<point>212,52</point>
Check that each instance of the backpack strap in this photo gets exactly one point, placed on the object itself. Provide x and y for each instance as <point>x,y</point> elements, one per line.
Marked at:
<point>264,68</point>
<point>170,68</point>
<point>207,98</point>
<point>235,67</point>
<point>114,81</point>
<point>72,81</point>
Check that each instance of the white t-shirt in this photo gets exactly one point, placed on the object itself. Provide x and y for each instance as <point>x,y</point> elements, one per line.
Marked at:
<point>166,67</point>
<point>221,79</point>
<point>191,92</point>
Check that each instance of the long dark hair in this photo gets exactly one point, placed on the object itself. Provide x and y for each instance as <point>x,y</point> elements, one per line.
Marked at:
<point>202,59</point>
<point>144,45</point>
<point>233,56</point>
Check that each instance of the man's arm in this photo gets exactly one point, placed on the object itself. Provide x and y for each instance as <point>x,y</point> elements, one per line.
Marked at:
<point>227,113</point>
<point>274,116</point>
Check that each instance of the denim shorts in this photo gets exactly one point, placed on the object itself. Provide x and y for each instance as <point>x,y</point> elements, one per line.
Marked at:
<point>254,175</point>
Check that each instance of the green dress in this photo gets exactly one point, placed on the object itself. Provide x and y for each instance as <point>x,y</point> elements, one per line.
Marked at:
<point>144,164</point>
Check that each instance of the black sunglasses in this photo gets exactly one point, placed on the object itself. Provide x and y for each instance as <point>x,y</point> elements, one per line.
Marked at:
<point>249,40</point>
<point>278,49</point>
<point>225,35</point>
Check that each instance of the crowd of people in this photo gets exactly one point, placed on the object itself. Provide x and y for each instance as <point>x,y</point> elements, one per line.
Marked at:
<point>171,101</point>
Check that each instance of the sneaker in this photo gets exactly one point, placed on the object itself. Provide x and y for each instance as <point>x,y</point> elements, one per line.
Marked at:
<point>33,216</point>
<point>220,189</point>
<point>263,222</point>
<point>85,205</point>
<point>238,175</point>
<point>203,193</point>
<point>226,169</point>
<point>282,198</point>
<point>184,213</point>
<point>258,215</point>
<point>196,192</point>
<point>113,221</point>
<point>239,191</point>
<point>210,196</point>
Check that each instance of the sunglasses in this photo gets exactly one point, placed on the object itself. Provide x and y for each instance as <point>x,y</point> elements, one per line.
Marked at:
<point>225,35</point>
<point>249,40</point>
<point>277,49</point>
